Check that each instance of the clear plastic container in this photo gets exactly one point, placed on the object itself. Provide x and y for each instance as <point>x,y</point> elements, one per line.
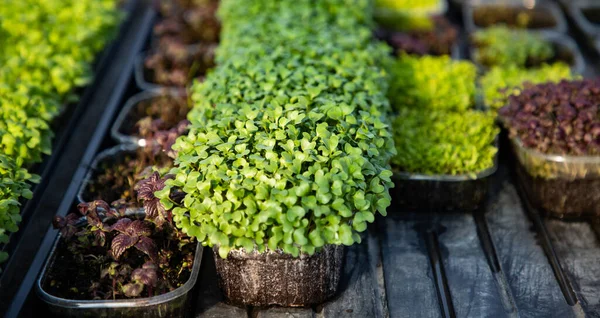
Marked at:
<point>172,304</point>
<point>142,76</point>
<point>441,193</point>
<point>561,186</point>
<point>544,16</point>
<point>566,51</point>
<point>121,129</point>
<point>116,154</point>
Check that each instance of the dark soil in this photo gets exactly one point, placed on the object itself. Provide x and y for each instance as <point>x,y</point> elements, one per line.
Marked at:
<point>72,274</point>
<point>170,109</point>
<point>537,18</point>
<point>115,178</point>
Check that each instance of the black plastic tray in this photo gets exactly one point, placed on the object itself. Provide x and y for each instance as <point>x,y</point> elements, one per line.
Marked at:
<point>175,303</point>
<point>441,193</point>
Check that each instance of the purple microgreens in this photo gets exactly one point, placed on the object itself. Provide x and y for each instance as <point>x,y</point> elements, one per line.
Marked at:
<point>132,234</point>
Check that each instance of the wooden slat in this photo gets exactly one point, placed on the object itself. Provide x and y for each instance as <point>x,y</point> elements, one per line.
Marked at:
<point>361,291</point>
<point>286,313</point>
<point>209,300</point>
<point>528,273</point>
<point>474,290</point>
<point>409,282</point>
<point>221,310</point>
<point>578,248</point>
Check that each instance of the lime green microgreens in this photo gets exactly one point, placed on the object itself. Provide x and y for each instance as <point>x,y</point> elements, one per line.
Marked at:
<point>444,143</point>
<point>407,4</point>
<point>432,82</point>
<point>46,50</point>
<point>15,183</point>
<point>290,141</point>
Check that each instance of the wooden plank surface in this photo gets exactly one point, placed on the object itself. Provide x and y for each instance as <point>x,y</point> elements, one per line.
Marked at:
<point>221,310</point>
<point>286,313</point>
<point>475,291</point>
<point>209,300</point>
<point>528,274</point>
<point>361,293</point>
<point>579,251</point>
<point>409,283</point>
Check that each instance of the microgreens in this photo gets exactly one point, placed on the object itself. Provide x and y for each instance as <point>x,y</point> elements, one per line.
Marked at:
<point>289,139</point>
<point>438,142</point>
<point>556,118</point>
<point>46,50</point>
<point>502,46</point>
<point>500,82</point>
<point>431,82</point>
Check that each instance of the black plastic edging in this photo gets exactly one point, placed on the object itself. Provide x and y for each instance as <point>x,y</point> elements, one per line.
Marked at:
<point>78,152</point>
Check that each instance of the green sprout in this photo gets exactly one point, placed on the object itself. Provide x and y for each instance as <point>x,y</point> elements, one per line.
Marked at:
<point>502,46</point>
<point>290,142</point>
<point>437,142</point>
<point>501,82</point>
<point>432,82</point>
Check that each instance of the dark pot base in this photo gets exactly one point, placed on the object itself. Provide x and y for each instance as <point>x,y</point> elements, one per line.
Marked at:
<point>274,278</point>
<point>439,196</point>
<point>559,198</point>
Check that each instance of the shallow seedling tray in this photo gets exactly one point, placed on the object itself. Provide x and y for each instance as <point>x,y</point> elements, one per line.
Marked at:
<point>123,130</point>
<point>535,15</point>
<point>113,156</point>
<point>566,50</point>
<point>442,193</point>
<point>384,35</point>
<point>560,186</point>
<point>175,303</point>
<point>143,75</point>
